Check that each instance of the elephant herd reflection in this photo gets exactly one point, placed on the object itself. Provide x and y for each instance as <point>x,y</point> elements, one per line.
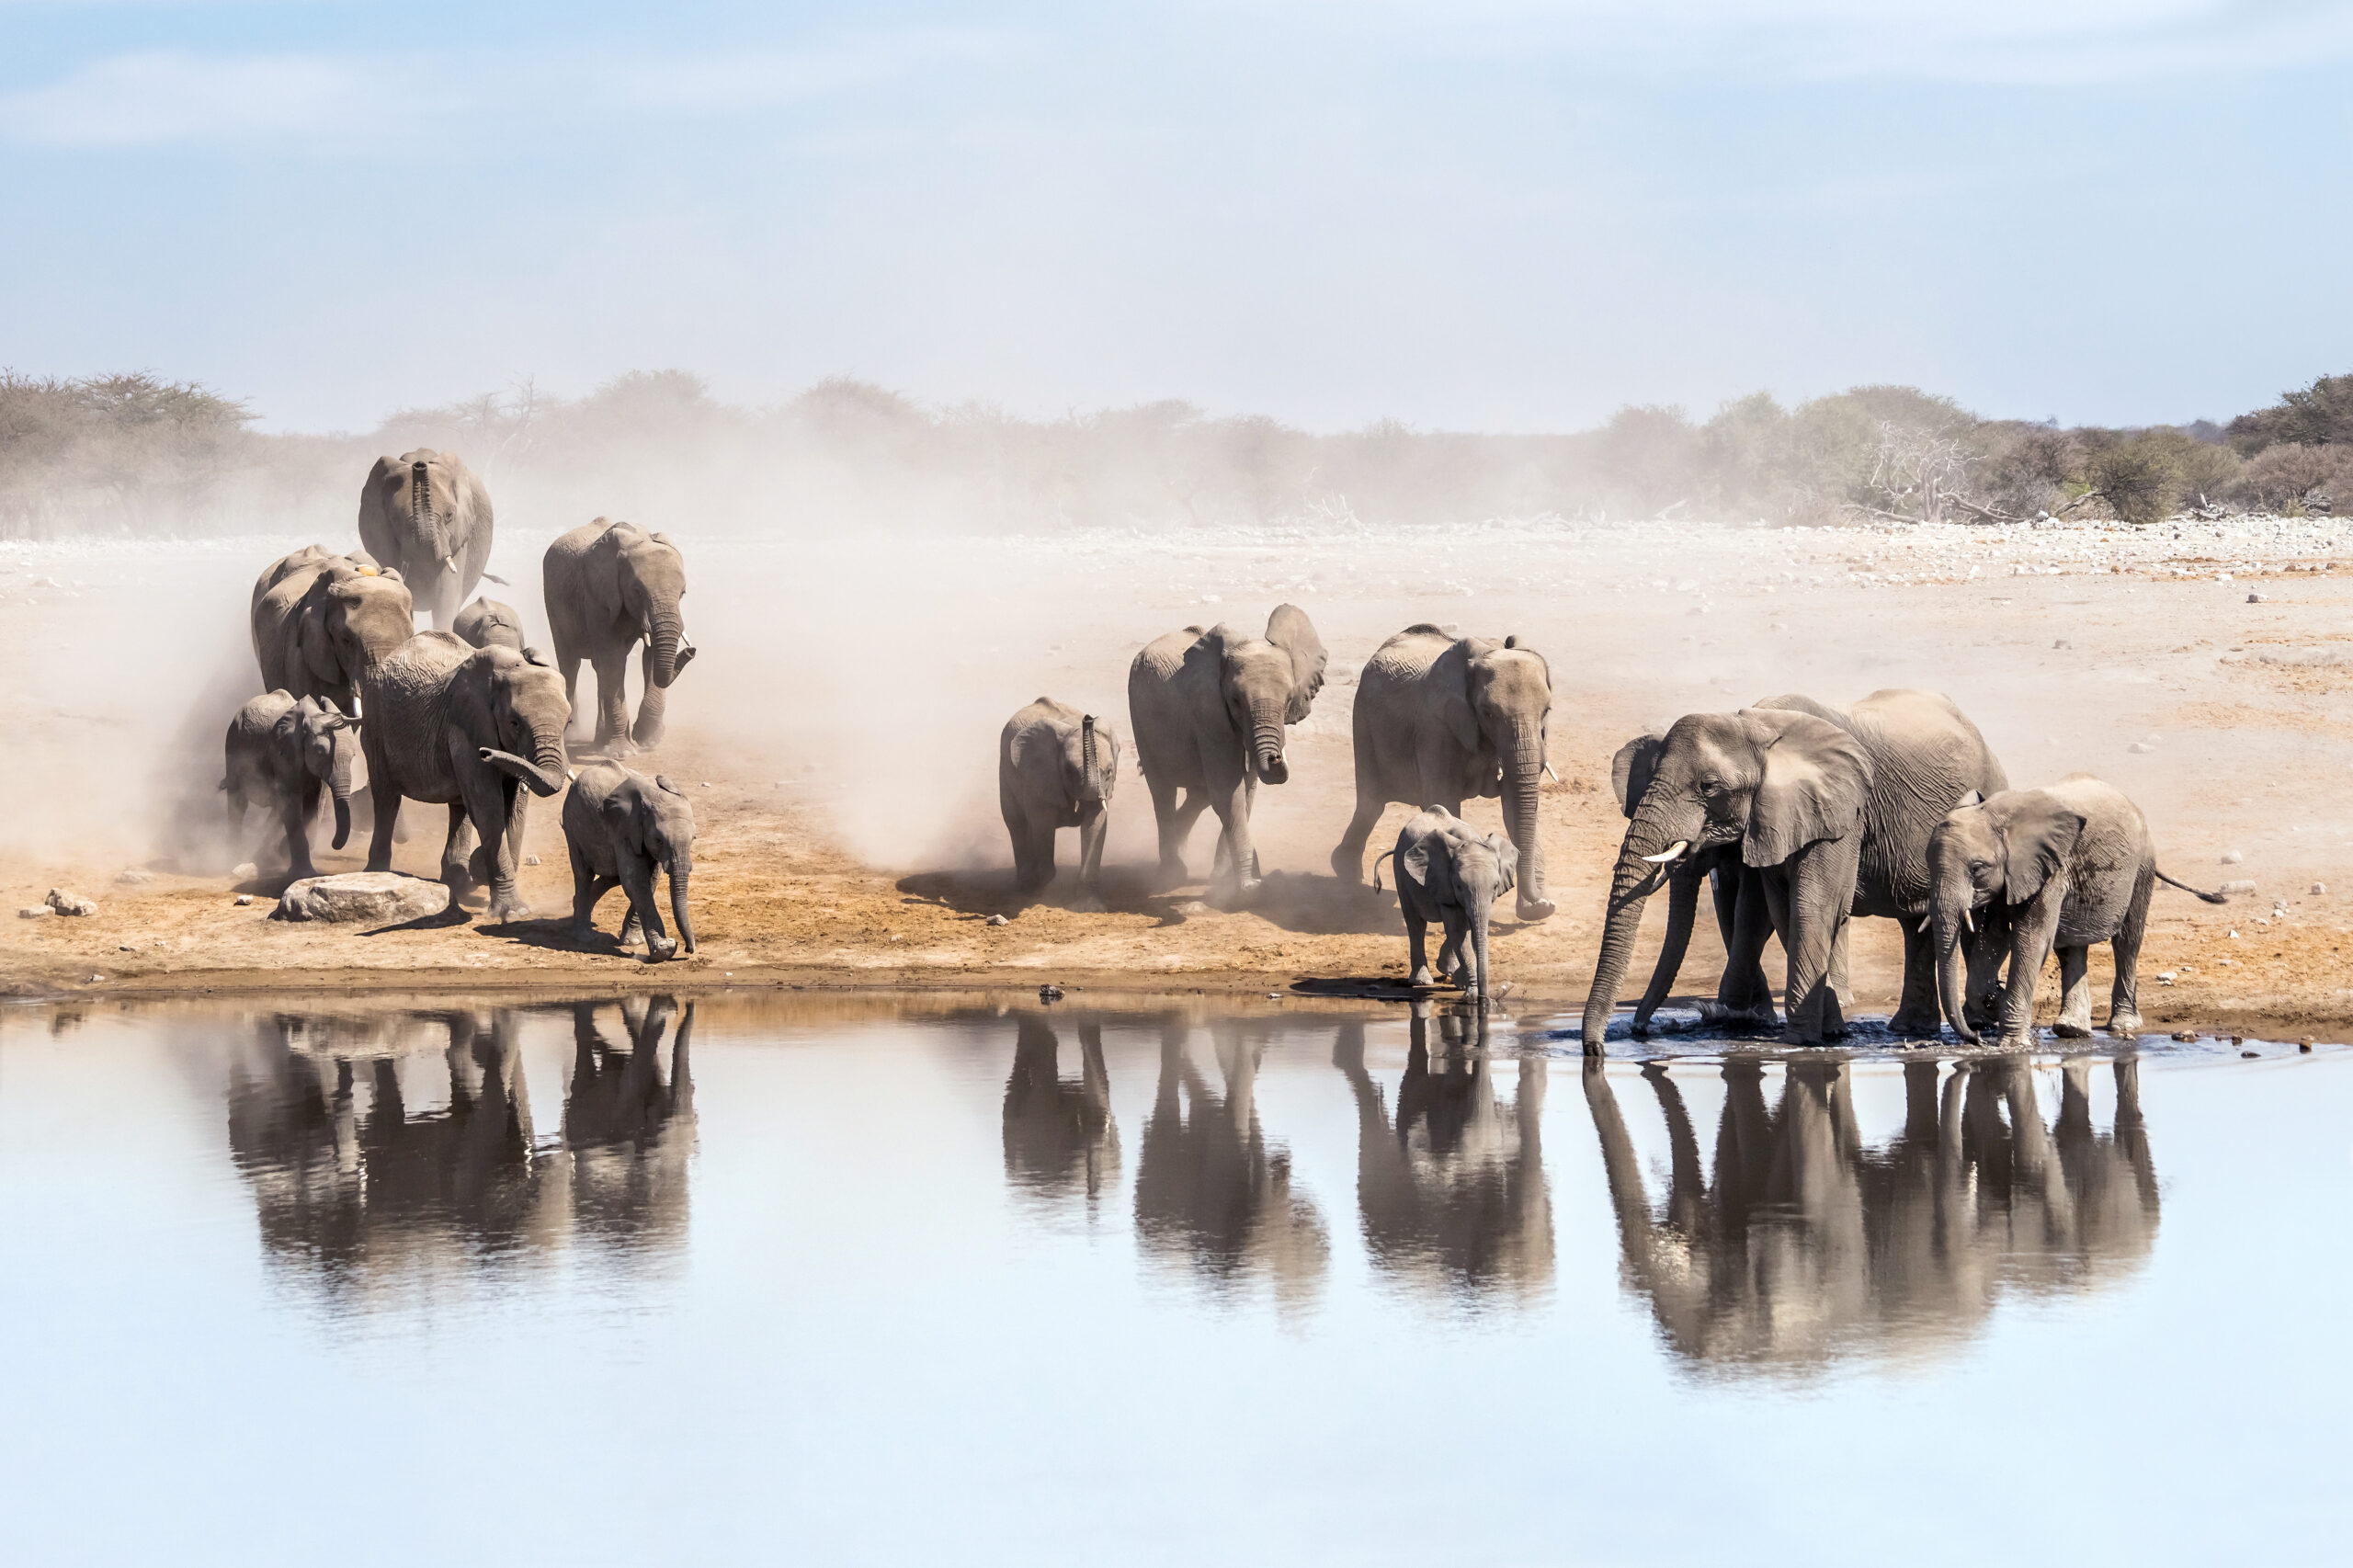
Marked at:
<point>391,1152</point>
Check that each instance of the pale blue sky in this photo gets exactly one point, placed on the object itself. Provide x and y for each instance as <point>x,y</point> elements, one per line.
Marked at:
<point>1477,215</point>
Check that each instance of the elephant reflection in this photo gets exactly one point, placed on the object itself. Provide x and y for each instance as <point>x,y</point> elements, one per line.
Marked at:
<point>1059,1134</point>
<point>1806,1247</point>
<point>354,1183</point>
<point>1209,1188</point>
<point>1452,1193</point>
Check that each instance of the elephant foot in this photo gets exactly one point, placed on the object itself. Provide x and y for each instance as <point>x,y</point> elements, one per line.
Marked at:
<point>661,949</point>
<point>1421,977</point>
<point>508,908</point>
<point>2068,1028</point>
<point>645,739</point>
<point>1535,909</point>
<point>1916,1026</point>
<point>1349,868</point>
<point>632,933</point>
<point>1461,978</point>
<point>1171,874</point>
<point>2124,1023</point>
<point>1088,903</point>
<point>615,748</point>
<point>2026,1041</point>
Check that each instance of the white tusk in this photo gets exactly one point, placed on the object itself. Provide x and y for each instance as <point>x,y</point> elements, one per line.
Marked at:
<point>1674,852</point>
<point>1965,920</point>
<point>1550,774</point>
<point>1923,924</point>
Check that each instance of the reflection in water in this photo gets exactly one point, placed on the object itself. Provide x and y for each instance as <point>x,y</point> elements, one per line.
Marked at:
<point>1454,1195</point>
<point>354,1186</point>
<point>1806,1246</point>
<point>1209,1190</point>
<point>1059,1133</point>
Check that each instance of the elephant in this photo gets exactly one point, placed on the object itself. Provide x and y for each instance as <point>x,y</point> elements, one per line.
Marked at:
<point>1743,996</point>
<point>1451,1192</point>
<point>630,1132</point>
<point>472,727</point>
<point>1059,1134</point>
<point>2066,865</point>
<point>608,586</point>
<point>1925,756</point>
<point>1444,718</point>
<point>425,514</point>
<point>1814,1244</point>
<point>486,623</point>
<point>1210,1190</point>
<point>1789,789</point>
<point>622,827</point>
<point>1056,767</point>
<point>279,751</point>
<point>1449,874</point>
<point>1207,710</point>
<point>319,619</point>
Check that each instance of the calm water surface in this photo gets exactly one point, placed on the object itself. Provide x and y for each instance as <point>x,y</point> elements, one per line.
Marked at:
<point>912,1281</point>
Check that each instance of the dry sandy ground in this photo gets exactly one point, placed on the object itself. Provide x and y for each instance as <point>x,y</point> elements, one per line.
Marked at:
<point>838,740</point>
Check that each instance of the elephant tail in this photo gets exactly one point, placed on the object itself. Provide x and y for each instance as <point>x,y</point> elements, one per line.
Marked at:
<point>1384,855</point>
<point>494,577</point>
<point>2208,897</point>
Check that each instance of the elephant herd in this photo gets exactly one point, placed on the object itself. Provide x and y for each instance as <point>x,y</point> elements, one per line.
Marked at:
<point>1798,816</point>
<point>466,715</point>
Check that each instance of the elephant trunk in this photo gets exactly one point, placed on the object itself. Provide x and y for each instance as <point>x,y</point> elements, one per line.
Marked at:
<point>339,782</point>
<point>680,868</point>
<point>666,637</point>
<point>1633,881</point>
<point>1524,770</point>
<point>1945,905</point>
<point>1266,742</point>
<point>1682,910</point>
<point>1479,951</point>
<point>543,777</point>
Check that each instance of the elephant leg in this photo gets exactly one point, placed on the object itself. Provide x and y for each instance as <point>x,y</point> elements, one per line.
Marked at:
<point>296,808</point>
<point>1747,994</point>
<point>2124,997</point>
<point>1240,859</point>
<point>384,802</point>
<point>1348,860</point>
<point>1840,988</point>
<point>586,892</point>
<point>1417,936</point>
<point>612,703</point>
<point>457,852</point>
<point>1176,821</point>
<point>2031,930</point>
<point>1682,908</point>
<point>500,807</point>
<point>637,880</point>
<point>568,662</point>
<point>653,703</point>
<point>1919,1016</point>
<point>1038,833</point>
<point>1818,890</point>
<point>2074,1021</point>
<point>1986,951</point>
<point>1094,819</point>
<point>1454,959</point>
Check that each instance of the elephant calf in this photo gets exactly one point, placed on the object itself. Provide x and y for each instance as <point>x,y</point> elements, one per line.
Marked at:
<point>1055,769</point>
<point>2064,866</point>
<point>280,750</point>
<point>621,827</point>
<point>1449,874</point>
<point>486,623</point>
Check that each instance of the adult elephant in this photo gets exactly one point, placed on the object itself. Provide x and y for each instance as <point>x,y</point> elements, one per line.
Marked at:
<point>1439,719</point>
<point>610,586</point>
<point>1207,710</point>
<point>471,728</point>
<point>319,619</point>
<point>1789,790</point>
<point>425,514</point>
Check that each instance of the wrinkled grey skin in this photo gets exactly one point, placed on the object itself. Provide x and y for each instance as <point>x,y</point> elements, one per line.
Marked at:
<point>1056,767</point>
<point>1743,995</point>
<point>1452,1193</point>
<point>282,751</point>
<point>1207,710</point>
<point>426,515</point>
<point>1895,1248</point>
<point>2064,866</point>
<point>1441,719</point>
<point>486,623</point>
<point>471,728</point>
<point>1786,789</point>
<point>623,827</point>
<point>610,586</point>
<point>318,618</point>
<point>1449,874</point>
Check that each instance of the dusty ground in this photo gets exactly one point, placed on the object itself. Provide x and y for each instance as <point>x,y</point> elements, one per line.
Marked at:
<point>845,795</point>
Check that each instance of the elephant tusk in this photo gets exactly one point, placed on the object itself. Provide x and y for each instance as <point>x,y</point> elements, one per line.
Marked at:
<point>1967,921</point>
<point>1550,774</point>
<point>1923,924</point>
<point>1673,853</point>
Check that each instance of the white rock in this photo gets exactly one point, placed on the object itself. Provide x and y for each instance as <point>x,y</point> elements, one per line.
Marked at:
<point>2140,748</point>
<point>2318,889</point>
<point>2238,888</point>
<point>2254,598</point>
<point>69,903</point>
<point>530,859</point>
<point>244,870</point>
<point>372,897</point>
<point>997,920</point>
<point>2232,858</point>
<point>134,876</point>
<point>35,912</point>
<point>244,899</point>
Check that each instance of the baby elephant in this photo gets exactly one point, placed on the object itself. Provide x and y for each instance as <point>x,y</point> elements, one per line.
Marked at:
<point>1055,769</point>
<point>279,751</point>
<point>2064,866</point>
<point>1450,874</point>
<point>486,623</point>
<point>622,827</point>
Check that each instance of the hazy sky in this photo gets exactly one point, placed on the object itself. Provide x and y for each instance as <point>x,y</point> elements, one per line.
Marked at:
<point>1465,215</point>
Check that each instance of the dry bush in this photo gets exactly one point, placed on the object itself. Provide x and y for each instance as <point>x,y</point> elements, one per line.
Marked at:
<point>2295,478</point>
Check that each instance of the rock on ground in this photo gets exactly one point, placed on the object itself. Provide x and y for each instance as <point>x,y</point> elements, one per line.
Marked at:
<point>70,902</point>
<point>372,897</point>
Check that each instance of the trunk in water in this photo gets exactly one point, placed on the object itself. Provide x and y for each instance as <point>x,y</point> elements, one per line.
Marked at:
<point>1479,953</point>
<point>341,785</point>
<point>1648,833</point>
<point>1523,771</point>
<point>1682,909</point>
<point>1950,983</point>
<point>680,870</point>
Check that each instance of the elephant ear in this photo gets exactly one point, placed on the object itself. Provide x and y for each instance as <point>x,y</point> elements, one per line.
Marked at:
<point>662,781</point>
<point>625,816</point>
<point>1816,781</point>
<point>1632,770</point>
<point>1451,679</point>
<point>1289,630</point>
<point>1415,860</point>
<point>2037,834</point>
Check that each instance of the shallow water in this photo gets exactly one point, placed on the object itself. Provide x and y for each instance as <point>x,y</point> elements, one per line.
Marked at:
<point>904,1281</point>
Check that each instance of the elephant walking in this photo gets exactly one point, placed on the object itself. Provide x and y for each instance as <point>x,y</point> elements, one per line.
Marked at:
<point>1440,718</point>
<point>1207,710</point>
<point>281,753</point>
<point>1450,875</point>
<point>425,514</point>
<point>319,619</point>
<point>471,727</point>
<point>610,586</point>
<point>1055,769</point>
<point>623,829</point>
<point>2066,866</point>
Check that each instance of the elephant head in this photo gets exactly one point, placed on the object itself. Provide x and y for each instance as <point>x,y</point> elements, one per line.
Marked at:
<point>1498,707</point>
<point>650,576</point>
<point>324,732</point>
<point>1767,781</point>
<point>1990,854</point>
<point>424,503</point>
<point>1266,683</point>
<point>512,705</point>
<point>1464,869</point>
<point>365,611</point>
<point>486,622</point>
<point>657,826</point>
<point>1091,762</point>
